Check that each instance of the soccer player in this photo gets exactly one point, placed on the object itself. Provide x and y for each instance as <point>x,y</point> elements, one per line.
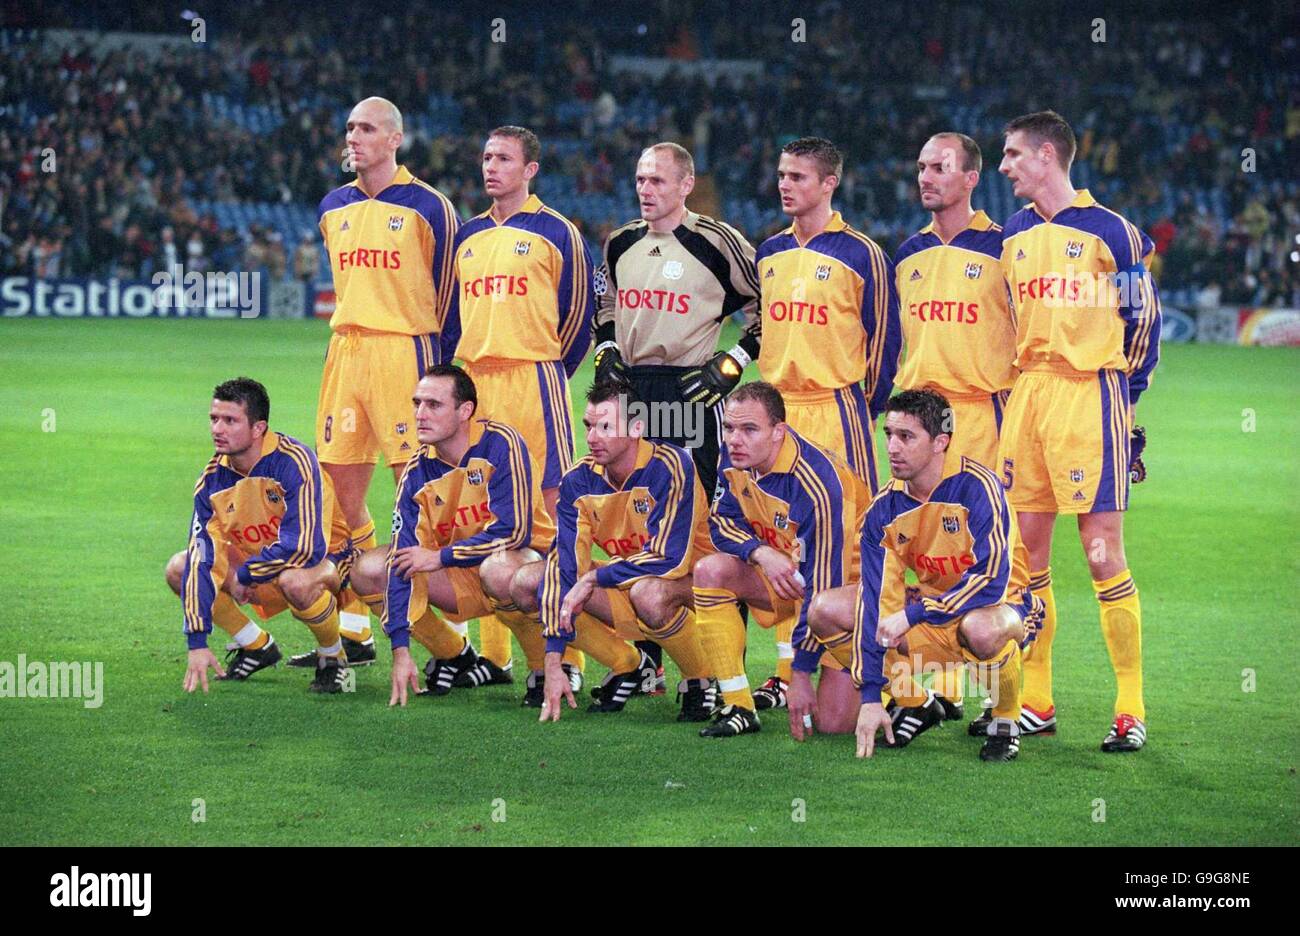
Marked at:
<point>955,531</point>
<point>1087,341</point>
<point>520,320</point>
<point>831,333</point>
<point>262,515</point>
<point>785,524</point>
<point>389,237</point>
<point>642,503</point>
<point>468,514</point>
<point>957,323</point>
<point>668,282</point>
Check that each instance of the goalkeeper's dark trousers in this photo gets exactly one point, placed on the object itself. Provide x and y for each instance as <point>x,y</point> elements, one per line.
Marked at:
<point>660,384</point>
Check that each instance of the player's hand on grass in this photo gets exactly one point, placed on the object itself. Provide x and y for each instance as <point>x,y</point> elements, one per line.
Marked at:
<point>890,630</point>
<point>780,571</point>
<point>555,688</point>
<point>576,600</point>
<point>801,699</point>
<point>405,676</point>
<point>871,718</point>
<point>410,560</point>
<point>196,673</point>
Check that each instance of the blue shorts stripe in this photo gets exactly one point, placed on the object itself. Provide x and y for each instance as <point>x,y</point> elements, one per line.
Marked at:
<point>1112,486</point>
<point>558,422</point>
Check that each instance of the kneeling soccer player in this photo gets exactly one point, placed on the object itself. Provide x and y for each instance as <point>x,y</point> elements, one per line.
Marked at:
<point>959,537</point>
<point>261,488</point>
<point>469,512</point>
<point>642,503</point>
<point>786,523</point>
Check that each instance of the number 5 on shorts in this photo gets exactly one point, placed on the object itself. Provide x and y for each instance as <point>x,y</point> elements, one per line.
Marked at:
<point>1008,473</point>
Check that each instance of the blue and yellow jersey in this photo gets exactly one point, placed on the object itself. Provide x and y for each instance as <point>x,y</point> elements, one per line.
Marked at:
<point>390,255</point>
<point>654,525</point>
<point>281,515</point>
<point>830,313</point>
<point>523,290</point>
<point>957,323</point>
<point>1083,299</point>
<point>490,501</point>
<point>964,547</point>
<point>807,507</point>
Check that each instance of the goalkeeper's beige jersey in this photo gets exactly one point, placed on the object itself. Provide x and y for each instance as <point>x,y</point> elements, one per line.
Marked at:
<point>663,298</point>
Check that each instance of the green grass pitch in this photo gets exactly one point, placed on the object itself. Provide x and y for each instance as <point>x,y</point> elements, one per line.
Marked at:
<point>90,511</point>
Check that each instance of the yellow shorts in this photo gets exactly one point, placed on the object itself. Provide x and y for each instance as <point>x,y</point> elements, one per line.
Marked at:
<point>365,396</point>
<point>1065,443</point>
<point>976,426</point>
<point>268,601</point>
<point>838,421</point>
<point>471,601</point>
<point>533,398</point>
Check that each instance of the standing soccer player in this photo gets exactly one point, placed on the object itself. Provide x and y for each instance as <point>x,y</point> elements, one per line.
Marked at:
<point>831,334</point>
<point>389,239</point>
<point>1087,341</point>
<point>668,282</point>
<point>957,322</point>
<point>520,320</point>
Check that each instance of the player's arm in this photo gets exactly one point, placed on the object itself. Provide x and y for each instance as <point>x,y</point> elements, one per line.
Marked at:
<point>449,336</point>
<point>740,255</point>
<point>822,562</point>
<point>669,526</point>
<point>881,575</point>
<point>985,582</point>
<point>729,530</point>
<point>572,536</point>
<point>202,578</point>
<point>608,359</point>
<point>1139,307</point>
<point>398,605</point>
<point>301,540</point>
<point>444,224</point>
<point>574,300</point>
<point>709,384</point>
<point>884,329</point>
<point>510,499</point>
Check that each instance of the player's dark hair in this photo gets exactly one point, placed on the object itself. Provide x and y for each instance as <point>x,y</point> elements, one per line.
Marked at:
<point>932,410</point>
<point>972,160</point>
<point>247,392</point>
<point>528,141</point>
<point>462,385</point>
<point>762,392</point>
<point>1047,127</point>
<point>829,159</point>
<point>611,388</point>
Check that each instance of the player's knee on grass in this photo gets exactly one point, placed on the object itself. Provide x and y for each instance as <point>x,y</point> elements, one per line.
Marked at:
<point>523,587</point>
<point>655,601</point>
<point>369,575</point>
<point>829,615</point>
<point>985,631</point>
<point>715,571</point>
<point>175,571</point>
<point>838,702</point>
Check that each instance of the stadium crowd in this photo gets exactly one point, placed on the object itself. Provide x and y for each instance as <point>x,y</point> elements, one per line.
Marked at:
<point>1187,123</point>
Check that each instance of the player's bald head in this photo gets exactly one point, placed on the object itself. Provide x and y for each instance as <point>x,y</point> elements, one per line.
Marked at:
<point>381,112</point>
<point>671,154</point>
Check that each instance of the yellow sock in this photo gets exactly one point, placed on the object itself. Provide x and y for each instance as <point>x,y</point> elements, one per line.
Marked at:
<point>575,658</point>
<point>599,641</point>
<point>375,603</point>
<point>527,629</point>
<point>354,616</point>
<point>230,618</point>
<point>680,638</point>
<point>1003,670</point>
<point>322,619</point>
<point>785,649</point>
<point>949,683</point>
<point>494,640</point>
<point>1037,693</point>
<point>363,537</point>
<point>1121,624</point>
<point>437,636</point>
<point>904,689</point>
<point>722,637</point>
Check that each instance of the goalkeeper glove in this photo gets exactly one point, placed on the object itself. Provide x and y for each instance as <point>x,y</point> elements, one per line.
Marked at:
<point>1137,469</point>
<point>710,383</point>
<point>609,363</point>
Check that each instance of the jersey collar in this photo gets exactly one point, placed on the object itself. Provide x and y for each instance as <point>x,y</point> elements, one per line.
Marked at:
<point>644,452</point>
<point>1082,199</point>
<point>978,222</point>
<point>270,442</point>
<point>787,455</point>
<point>403,177</point>
<point>531,205</point>
<point>834,224</point>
